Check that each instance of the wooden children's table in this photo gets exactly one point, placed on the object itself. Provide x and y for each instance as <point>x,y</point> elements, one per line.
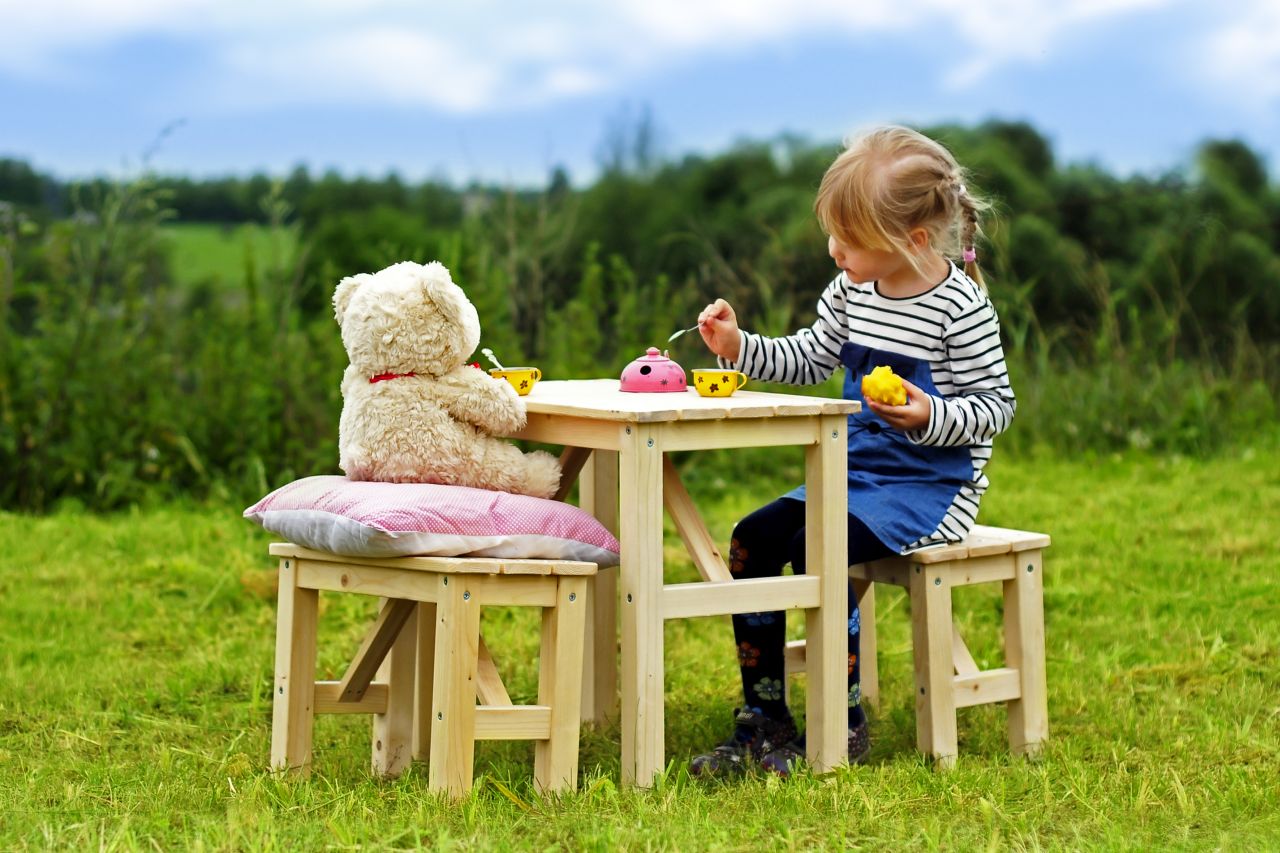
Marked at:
<point>618,442</point>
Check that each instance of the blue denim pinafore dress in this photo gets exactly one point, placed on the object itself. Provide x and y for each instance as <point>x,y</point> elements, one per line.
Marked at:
<point>901,491</point>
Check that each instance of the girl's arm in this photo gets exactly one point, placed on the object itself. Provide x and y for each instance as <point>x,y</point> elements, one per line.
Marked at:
<point>983,404</point>
<point>805,358</point>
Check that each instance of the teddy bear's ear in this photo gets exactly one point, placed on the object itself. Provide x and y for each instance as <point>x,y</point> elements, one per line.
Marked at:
<point>345,291</point>
<point>439,289</point>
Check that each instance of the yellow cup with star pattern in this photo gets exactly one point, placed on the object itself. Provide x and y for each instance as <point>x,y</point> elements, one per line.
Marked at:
<point>718,383</point>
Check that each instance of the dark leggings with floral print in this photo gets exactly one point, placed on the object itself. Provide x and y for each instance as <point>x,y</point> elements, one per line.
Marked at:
<point>764,542</point>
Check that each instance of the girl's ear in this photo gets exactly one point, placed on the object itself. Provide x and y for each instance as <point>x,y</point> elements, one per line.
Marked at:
<point>342,295</point>
<point>919,238</point>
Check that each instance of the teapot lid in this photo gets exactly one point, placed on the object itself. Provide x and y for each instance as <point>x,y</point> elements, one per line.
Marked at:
<point>652,354</point>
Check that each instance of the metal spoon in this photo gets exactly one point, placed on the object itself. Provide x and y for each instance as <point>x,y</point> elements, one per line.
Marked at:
<point>488,353</point>
<point>682,331</point>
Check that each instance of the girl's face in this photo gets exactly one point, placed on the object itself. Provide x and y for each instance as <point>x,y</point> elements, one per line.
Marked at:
<point>862,265</point>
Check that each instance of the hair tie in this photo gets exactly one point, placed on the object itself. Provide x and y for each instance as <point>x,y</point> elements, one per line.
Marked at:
<point>970,255</point>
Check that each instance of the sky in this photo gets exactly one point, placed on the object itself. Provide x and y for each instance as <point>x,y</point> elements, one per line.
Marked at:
<point>503,92</point>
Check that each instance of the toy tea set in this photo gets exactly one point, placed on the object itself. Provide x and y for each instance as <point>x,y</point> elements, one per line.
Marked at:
<point>655,372</point>
<point>652,373</point>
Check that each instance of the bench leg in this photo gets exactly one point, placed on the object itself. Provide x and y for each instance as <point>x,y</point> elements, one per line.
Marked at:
<point>934,667</point>
<point>426,674</point>
<point>865,592</point>
<point>453,695</point>
<point>393,730</point>
<point>293,699</point>
<point>555,760</point>
<point>1024,651</point>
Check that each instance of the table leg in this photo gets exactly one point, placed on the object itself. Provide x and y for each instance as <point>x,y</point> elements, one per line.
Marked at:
<point>826,626</point>
<point>640,579</point>
<point>598,495</point>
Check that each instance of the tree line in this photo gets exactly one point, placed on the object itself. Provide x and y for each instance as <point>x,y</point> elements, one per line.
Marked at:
<point>1138,311</point>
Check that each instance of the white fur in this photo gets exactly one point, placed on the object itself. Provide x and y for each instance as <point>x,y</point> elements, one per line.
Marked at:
<point>436,426</point>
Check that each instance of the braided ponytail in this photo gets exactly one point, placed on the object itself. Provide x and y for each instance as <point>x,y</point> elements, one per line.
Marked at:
<point>970,212</point>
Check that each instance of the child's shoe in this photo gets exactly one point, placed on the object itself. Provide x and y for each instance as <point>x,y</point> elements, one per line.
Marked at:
<point>790,756</point>
<point>754,736</point>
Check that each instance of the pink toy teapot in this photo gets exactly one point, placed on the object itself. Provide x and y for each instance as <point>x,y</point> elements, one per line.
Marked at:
<point>653,372</point>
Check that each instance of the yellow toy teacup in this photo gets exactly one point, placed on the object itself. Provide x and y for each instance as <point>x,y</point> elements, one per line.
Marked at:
<point>521,378</point>
<point>718,383</point>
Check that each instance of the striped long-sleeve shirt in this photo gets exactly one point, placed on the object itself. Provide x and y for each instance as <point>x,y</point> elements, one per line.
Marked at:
<point>952,327</point>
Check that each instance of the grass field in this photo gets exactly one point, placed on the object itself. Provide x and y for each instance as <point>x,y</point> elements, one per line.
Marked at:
<point>222,254</point>
<point>136,670</point>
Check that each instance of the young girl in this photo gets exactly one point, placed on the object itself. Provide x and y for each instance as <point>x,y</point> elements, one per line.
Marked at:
<point>896,208</point>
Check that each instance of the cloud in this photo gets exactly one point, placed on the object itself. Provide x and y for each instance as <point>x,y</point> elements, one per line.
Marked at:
<point>1241,58</point>
<point>483,55</point>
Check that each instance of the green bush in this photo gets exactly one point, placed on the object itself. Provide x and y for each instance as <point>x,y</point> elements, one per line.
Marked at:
<point>1136,312</point>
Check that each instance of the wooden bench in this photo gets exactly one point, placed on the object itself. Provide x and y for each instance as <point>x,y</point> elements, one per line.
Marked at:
<point>946,676</point>
<point>423,665</point>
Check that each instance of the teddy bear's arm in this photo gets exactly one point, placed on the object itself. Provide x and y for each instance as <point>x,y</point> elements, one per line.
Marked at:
<point>475,397</point>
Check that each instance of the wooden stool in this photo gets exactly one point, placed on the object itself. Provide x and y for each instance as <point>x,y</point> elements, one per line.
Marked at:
<point>431,663</point>
<point>946,676</point>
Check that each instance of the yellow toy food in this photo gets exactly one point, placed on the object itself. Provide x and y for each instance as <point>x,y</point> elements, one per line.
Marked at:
<point>884,386</point>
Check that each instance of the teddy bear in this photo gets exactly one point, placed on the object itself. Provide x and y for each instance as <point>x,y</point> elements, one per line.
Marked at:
<point>413,410</point>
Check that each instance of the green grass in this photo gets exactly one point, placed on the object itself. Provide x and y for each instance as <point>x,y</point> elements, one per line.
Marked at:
<point>205,253</point>
<point>136,667</point>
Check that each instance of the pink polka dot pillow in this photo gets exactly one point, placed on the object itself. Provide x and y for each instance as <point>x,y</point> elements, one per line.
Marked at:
<point>361,519</point>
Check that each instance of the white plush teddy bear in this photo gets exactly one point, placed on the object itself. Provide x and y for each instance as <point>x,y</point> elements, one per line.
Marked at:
<point>413,410</point>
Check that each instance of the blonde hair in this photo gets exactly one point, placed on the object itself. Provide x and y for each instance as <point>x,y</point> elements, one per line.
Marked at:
<point>891,180</point>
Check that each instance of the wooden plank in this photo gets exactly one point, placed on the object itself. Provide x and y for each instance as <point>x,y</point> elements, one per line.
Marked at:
<point>641,602</point>
<point>751,432</point>
<point>570,431</point>
<point>453,694</point>
<point>293,699</point>
<point>601,399</point>
<point>489,686</point>
<point>983,688</point>
<point>392,747</point>
<point>425,681</point>
<point>749,595</point>
<point>938,554</point>
<point>598,495</point>
<point>962,660</point>
<point>555,760</point>
<point>698,541</point>
<point>931,626</point>
<point>366,580</point>
<point>441,565</point>
<point>986,546</point>
<point>1024,651</point>
<point>327,695</point>
<point>826,625</point>
<point>976,570</point>
<point>1019,540</point>
<point>516,591</point>
<point>571,461</point>
<point>377,642</point>
<point>513,722</point>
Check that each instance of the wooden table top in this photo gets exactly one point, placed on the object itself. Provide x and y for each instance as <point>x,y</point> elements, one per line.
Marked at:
<point>600,399</point>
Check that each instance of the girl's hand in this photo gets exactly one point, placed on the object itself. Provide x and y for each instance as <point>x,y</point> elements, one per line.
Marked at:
<point>718,326</point>
<point>912,415</point>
